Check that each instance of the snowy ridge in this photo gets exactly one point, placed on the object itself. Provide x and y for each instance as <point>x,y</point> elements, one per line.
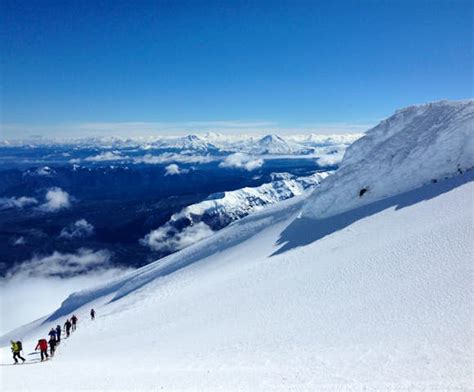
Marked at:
<point>200,220</point>
<point>232,205</point>
<point>413,147</point>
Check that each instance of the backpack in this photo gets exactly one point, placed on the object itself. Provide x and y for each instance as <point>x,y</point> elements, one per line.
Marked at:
<point>19,346</point>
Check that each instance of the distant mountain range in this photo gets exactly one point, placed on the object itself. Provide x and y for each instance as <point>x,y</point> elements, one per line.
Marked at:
<point>210,143</point>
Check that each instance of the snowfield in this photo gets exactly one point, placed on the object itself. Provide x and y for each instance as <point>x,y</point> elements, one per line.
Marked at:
<point>373,295</point>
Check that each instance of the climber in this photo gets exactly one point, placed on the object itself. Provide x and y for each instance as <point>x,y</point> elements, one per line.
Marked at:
<point>16,349</point>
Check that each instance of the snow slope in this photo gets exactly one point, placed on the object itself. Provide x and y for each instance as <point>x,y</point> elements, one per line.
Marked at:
<point>377,297</point>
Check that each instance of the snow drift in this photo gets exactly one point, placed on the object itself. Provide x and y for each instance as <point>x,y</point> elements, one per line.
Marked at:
<point>413,147</point>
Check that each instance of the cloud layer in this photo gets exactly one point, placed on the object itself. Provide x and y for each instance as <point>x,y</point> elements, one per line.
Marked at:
<point>150,159</point>
<point>63,264</point>
<point>106,156</point>
<point>33,297</point>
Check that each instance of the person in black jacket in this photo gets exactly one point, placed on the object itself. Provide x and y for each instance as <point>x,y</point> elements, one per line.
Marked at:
<point>52,345</point>
<point>67,327</point>
<point>58,333</point>
<point>74,322</point>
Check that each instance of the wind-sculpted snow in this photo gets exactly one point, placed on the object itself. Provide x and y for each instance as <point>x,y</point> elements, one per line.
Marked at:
<point>415,146</point>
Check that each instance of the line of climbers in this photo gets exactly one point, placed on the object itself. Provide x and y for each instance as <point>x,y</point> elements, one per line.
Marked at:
<point>54,339</point>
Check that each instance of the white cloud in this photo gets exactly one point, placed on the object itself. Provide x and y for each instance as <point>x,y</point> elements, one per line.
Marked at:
<point>105,156</point>
<point>330,159</point>
<point>63,264</point>
<point>16,202</point>
<point>56,199</point>
<point>253,164</point>
<point>331,155</point>
<point>169,239</point>
<point>172,157</point>
<point>78,229</point>
<point>241,161</point>
<point>174,169</point>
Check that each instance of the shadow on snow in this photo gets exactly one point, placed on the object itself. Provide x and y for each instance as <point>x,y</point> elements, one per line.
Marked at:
<point>304,231</point>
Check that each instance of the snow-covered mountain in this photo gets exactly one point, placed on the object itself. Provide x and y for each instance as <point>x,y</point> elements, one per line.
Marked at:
<point>274,144</point>
<point>207,142</point>
<point>190,143</point>
<point>200,220</point>
<point>352,295</point>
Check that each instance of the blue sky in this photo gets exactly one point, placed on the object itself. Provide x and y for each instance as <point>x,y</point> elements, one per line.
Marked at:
<point>76,67</point>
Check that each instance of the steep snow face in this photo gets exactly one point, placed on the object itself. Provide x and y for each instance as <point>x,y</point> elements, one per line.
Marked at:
<point>413,147</point>
<point>200,220</point>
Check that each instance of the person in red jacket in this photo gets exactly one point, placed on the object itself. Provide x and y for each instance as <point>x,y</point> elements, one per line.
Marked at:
<point>43,346</point>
